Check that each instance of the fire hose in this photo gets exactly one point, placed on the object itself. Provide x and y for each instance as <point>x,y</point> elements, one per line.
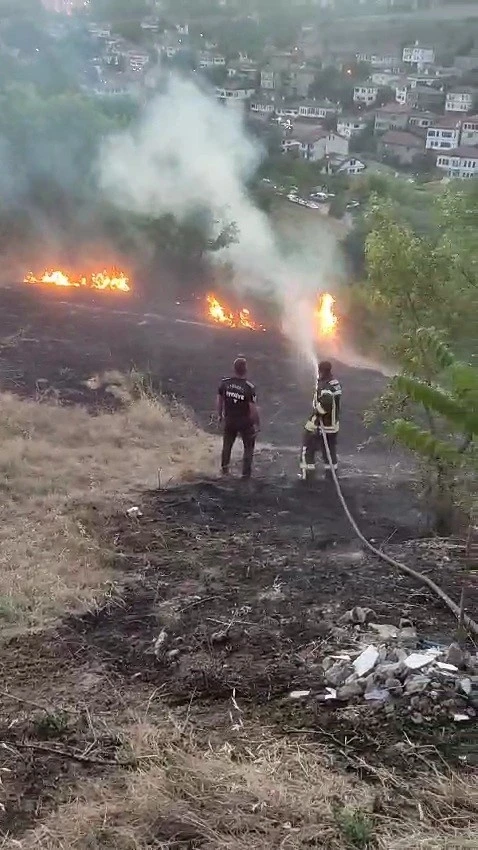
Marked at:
<point>457,610</point>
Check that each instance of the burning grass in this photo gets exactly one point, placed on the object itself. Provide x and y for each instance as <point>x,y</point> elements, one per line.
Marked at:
<point>254,792</point>
<point>56,461</point>
<point>112,280</point>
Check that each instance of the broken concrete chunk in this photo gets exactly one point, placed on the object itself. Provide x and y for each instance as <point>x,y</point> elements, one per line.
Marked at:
<point>455,655</point>
<point>366,661</point>
<point>349,691</point>
<point>420,659</point>
<point>442,665</point>
<point>384,630</point>
<point>377,695</point>
<point>466,686</point>
<point>393,685</point>
<point>338,673</point>
<point>408,635</point>
<point>417,684</point>
<point>298,694</point>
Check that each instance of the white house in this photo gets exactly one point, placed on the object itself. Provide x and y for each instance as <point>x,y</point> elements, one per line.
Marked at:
<point>460,100</point>
<point>445,134</point>
<point>269,78</point>
<point>347,165</point>
<point>418,55</point>
<point>316,109</point>
<point>379,60</point>
<point>469,132</point>
<point>385,78</point>
<point>262,104</point>
<point>351,125</point>
<point>211,60</point>
<point>461,163</point>
<point>317,144</point>
<point>366,93</point>
<point>234,94</point>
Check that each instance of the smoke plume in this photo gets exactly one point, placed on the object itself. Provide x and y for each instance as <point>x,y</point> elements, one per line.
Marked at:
<point>189,154</point>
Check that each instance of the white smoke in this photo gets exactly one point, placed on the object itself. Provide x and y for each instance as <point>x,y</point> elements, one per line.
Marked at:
<point>189,154</point>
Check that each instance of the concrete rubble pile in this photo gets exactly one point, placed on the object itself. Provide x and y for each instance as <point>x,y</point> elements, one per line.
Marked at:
<point>387,670</point>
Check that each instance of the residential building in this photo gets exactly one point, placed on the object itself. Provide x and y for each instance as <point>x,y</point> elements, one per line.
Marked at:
<point>402,146</point>
<point>263,104</point>
<point>469,131</point>
<point>315,109</point>
<point>270,79</point>
<point>243,69</point>
<point>385,79</point>
<point>461,99</point>
<point>380,60</point>
<point>426,98</point>
<point>444,134</point>
<point>461,162</point>
<point>392,116</point>
<point>136,59</point>
<point>345,165</point>
<point>352,125</point>
<point>418,55</point>
<point>421,120</point>
<point>211,60</point>
<point>317,144</point>
<point>298,81</point>
<point>366,93</point>
<point>234,93</point>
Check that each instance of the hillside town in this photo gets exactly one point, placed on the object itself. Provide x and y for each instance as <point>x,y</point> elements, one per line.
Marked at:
<point>342,102</point>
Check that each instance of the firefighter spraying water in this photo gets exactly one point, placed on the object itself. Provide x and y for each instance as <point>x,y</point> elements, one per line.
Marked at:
<point>323,424</point>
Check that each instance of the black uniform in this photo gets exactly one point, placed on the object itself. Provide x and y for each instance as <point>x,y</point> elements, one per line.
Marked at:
<point>326,410</point>
<point>238,394</point>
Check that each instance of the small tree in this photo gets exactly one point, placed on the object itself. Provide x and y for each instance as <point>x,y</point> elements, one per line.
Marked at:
<point>446,446</point>
<point>423,291</point>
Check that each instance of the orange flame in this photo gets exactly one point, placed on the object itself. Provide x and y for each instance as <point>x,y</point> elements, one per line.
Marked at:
<point>113,280</point>
<point>326,318</point>
<point>239,319</point>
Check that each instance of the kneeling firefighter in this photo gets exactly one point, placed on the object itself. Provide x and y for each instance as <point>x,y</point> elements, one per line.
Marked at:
<point>325,413</point>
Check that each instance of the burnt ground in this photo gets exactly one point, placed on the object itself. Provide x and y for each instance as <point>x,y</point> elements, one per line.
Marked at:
<point>245,585</point>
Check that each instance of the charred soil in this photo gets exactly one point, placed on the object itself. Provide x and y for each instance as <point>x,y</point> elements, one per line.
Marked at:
<point>226,596</point>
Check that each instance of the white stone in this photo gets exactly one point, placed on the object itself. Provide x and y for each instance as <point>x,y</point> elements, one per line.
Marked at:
<point>366,661</point>
<point>384,630</point>
<point>420,659</point>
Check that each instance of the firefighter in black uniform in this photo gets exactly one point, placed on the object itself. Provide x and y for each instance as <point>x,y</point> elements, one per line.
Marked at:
<point>325,412</point>
<point>237,408</point>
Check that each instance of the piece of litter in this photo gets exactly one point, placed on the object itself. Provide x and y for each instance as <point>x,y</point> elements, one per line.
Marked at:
<point>420,659</point>
<point>299,694</point>
<point>459,717</point>
<point>134,512</point>
<point>366,661</point>
<point>377,695</point>
<point>331,693</point>
<point>342,657</point>
<point>442,665</point>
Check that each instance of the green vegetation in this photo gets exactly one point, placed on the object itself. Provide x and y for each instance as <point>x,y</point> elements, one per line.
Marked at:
<point>422,295</point>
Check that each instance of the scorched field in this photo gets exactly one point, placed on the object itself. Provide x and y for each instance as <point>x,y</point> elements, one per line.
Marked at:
<point>189,663</point>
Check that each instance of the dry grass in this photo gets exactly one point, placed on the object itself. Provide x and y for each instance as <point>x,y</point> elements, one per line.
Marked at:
<point>252,795</point>
<point>54,461</point>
